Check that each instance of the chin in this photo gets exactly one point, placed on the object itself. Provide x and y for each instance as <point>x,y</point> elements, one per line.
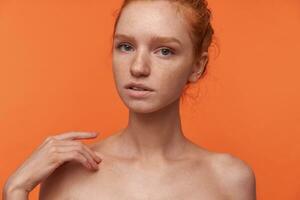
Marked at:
<point>144,107</point>
<point>147,105</point>
<point>141,107</point>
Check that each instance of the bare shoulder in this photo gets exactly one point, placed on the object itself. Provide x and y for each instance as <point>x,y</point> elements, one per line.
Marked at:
<point>54,186</point>
<point>235,176</point>
<point>61,183</point>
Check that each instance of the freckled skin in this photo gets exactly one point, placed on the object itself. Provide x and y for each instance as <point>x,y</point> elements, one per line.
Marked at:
<point>168,73</point>
<point>194,174</point>
<point>179,170</point>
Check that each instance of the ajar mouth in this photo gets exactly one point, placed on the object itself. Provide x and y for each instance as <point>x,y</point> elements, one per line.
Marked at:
<point>138,89</point>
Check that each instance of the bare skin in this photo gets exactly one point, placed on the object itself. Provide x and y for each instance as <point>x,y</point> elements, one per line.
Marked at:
<point>195,173</point>
<point>150,158</point>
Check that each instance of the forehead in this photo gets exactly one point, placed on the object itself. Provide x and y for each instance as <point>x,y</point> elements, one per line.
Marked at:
<point>147,18</point>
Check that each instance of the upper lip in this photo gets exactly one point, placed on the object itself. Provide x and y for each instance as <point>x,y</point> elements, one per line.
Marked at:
<point>138,85</point>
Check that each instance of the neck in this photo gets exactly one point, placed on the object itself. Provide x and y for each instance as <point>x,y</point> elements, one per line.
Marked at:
<point>156,135</point>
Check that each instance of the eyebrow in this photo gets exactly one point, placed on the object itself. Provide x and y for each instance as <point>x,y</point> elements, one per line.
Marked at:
<point>155,38</point>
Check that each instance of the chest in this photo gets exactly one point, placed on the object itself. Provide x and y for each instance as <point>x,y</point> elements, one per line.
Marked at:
<point>117,182</point>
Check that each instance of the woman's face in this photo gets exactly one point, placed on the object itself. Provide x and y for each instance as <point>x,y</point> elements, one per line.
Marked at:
<point>152,47</point>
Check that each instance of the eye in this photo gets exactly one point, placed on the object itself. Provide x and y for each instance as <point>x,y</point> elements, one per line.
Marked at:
<point>125,45</point>
<point>166,51</point>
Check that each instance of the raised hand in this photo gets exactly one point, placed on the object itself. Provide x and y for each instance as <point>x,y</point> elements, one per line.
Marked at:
<point>53,152</point>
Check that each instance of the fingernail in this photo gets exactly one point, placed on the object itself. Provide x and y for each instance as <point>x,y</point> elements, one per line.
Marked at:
<point>98,155</point>
<point>98,159</point>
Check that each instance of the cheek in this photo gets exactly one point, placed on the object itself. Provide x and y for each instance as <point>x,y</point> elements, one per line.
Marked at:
<point>119,69</point>
<point>173,82</point>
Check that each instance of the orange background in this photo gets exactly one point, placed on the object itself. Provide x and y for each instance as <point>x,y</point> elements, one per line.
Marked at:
<point>55,76</point>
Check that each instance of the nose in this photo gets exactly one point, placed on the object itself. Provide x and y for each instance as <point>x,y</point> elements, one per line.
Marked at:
<point>140,65</point>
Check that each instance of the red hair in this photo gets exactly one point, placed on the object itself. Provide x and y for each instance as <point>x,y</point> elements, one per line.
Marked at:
<point>198,16</point>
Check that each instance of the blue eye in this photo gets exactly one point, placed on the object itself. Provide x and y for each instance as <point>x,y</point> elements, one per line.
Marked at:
<point>166,51</point>
<point>127,47</point>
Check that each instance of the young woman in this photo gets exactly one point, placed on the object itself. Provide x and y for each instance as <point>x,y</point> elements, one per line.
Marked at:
<point>159,48</point>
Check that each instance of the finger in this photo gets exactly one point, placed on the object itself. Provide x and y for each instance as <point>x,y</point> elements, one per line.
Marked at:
<point>73,155</point>
<point>81,150</point>
<point>76,135</point>
<point>92,153</point>
<point>78,143</point>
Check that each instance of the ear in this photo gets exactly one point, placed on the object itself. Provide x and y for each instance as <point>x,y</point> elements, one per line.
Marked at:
<point>198,67</point>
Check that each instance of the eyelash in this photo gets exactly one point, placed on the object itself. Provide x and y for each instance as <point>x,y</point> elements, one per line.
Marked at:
<point>126,44</point>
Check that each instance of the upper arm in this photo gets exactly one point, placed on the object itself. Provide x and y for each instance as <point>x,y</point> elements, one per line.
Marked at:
<point>242,183</point>
<point>237,178</point>
<point>52,187</point>
<point>46,190</point>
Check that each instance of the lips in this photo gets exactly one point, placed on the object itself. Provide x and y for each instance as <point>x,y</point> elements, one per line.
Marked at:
<point>138,86</point>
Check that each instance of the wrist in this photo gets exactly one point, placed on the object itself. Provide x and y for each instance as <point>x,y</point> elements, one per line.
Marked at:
<point>15,185</point>
<point>12,191</point>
